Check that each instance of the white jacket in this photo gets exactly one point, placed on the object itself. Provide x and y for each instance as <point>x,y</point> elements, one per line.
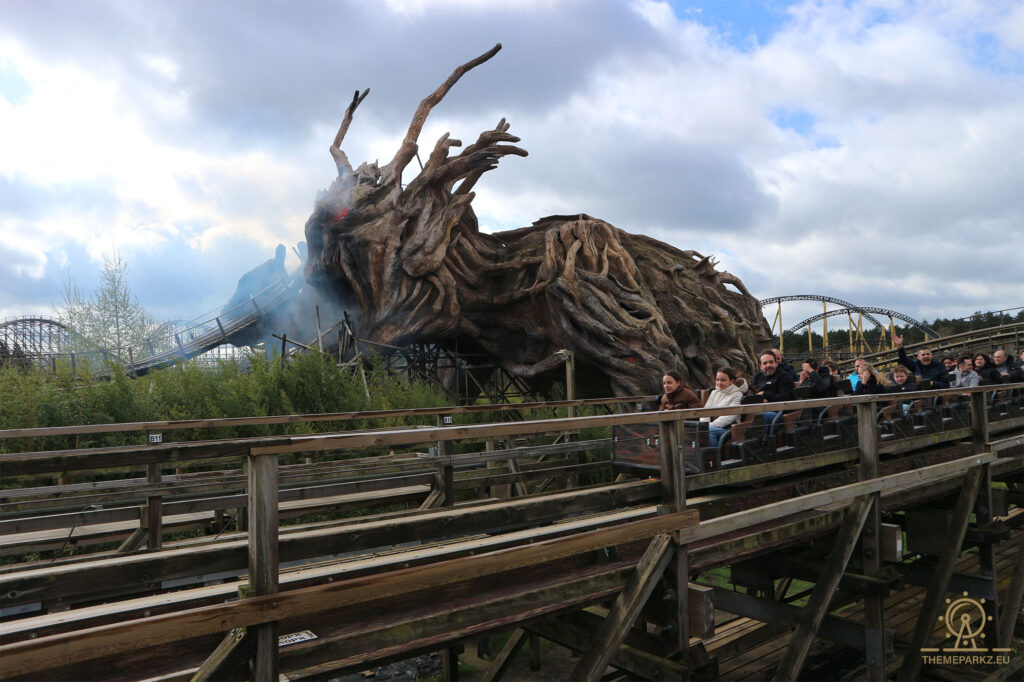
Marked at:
<point>725,398</point>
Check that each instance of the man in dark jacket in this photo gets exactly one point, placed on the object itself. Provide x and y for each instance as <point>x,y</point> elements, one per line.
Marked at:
<point>925,366</point>
<point>1005,365</point>
<point>773,384</point>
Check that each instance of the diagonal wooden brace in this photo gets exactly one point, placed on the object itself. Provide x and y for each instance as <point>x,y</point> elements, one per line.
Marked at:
<point>625,610</point>
<point>1014,599</point>
<point>817,606</point>
<point>503,660</point>
<point>234,651</point>
<point>934,598</point>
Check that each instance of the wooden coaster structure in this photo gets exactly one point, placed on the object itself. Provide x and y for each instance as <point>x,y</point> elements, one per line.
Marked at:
<point>537,564</point>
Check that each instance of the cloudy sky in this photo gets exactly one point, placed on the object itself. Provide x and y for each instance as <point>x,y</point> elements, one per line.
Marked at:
<point>870,151</point>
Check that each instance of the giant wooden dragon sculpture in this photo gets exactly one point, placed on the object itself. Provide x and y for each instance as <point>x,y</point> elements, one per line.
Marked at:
<point>415,266</point>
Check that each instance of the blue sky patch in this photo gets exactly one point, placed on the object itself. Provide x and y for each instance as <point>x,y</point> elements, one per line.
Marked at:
<point>13,86</point>
<point>799,121</point>
<point>738,21</point>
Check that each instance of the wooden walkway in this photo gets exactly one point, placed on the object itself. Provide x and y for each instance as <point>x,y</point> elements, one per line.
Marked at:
<point>460,567</point>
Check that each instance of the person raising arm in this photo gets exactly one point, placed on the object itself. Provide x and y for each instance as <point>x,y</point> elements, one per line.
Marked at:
<point>925,366</point>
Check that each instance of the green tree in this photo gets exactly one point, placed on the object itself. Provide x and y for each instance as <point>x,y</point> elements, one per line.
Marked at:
<point>112,317</point>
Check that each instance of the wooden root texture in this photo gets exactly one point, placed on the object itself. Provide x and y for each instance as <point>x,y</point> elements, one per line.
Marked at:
<point>413,265</point>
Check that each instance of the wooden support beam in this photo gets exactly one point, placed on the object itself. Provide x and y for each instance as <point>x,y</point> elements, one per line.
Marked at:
<point>534,652</point>
<point>892,542</point>
<point>433,499</point>
<point>778,617</point>
<point>517,482</point>
<point>136,539</point>
<point>934,598</point>
<point>263,557</point>
<point>446,470</point>
<point>1011,608</point>
<point>234,651</point>
<point>979,420</point>
<point>503,660</point>
<point>871,543</point>
<point>701,611</point>
<point>679,568</point>
<point>817,606</point>
<point>667,452</point>
<point>634,659</point>
<point>625,610</point>
<point>450,663</point>
<point>154,509</point>
<point>987,555</point>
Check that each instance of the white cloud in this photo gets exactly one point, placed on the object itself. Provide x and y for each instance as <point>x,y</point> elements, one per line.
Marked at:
<point>841,154</point>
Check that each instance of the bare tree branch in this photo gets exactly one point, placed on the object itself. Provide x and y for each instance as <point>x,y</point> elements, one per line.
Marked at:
<point>340,159</point>
<point>407,150</point>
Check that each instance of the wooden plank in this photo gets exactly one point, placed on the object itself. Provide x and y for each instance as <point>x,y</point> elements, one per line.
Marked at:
<point>940,579</point>
<point>24,657</point>
<point>69,578</point>
<point>301,577</point>
<point>406,437</point>
<point>473,612</point>
<point>774,469</point>
<point>68,460</point>
<point>625,610</point>
<point>55,431</point>
<point>817,606</point>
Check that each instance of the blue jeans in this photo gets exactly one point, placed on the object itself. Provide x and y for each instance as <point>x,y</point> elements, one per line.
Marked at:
<point>714,434</point>
<point>769,417</point>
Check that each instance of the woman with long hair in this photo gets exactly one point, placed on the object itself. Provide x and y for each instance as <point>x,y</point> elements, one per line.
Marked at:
<point>677,396</point>
<point>728,392</point>
<point>871,382</point>
<point>986,370</point>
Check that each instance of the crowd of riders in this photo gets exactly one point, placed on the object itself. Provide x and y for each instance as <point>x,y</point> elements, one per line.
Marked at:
<point>778,381</point>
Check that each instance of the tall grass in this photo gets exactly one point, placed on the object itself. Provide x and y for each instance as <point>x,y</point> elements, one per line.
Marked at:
<point>308,383</point>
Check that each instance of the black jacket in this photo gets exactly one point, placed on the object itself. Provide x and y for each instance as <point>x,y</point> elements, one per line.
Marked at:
<point>935,370</point>
<point>820,383</point>
<point>871,387</point>
<point>777,387</point>
<point>903,388</point>
<point>1012,369</point>
<point>989,374</point>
